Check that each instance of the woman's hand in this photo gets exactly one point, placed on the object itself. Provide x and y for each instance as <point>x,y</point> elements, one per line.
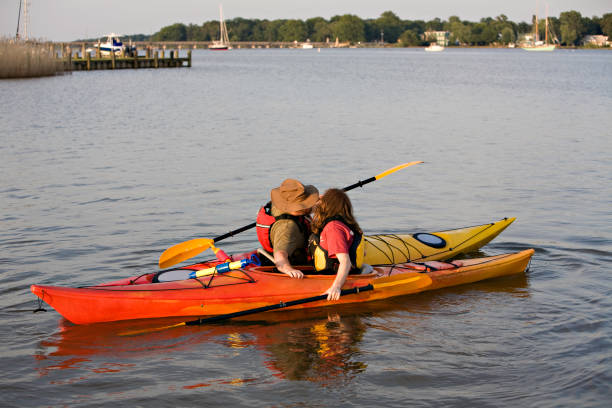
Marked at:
<point>333,293</point>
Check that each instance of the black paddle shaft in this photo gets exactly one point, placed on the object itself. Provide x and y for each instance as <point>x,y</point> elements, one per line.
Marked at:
<point>234,232</point>
<point>275,306</point>
<point>360,183</point>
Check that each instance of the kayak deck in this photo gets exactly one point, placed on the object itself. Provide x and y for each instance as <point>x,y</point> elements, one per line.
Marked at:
<point>420,247</point>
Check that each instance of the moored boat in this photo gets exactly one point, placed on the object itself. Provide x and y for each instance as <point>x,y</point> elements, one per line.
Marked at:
<point>538,45</point>
<point>433,47</point>
<point>223,43</point>
<point>113,44</point>
<point>144,297</point>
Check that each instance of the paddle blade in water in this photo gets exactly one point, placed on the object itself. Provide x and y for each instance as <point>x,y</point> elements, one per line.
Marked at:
<point>183,251</point>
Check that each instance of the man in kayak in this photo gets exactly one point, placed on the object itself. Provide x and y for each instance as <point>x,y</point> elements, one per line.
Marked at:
<point>283,225</point>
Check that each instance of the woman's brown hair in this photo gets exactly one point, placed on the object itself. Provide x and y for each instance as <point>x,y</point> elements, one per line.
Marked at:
<point>334,202</point>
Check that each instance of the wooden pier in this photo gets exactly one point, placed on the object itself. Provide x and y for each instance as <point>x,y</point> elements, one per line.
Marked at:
<point>84,61</point>
<point>129,62</point>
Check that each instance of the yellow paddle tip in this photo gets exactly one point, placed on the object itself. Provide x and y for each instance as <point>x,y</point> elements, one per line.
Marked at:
<point>151,330</point>
<point>397,168</point>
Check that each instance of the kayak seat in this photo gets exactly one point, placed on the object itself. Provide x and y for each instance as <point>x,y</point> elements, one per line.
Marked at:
<point>431,266</point>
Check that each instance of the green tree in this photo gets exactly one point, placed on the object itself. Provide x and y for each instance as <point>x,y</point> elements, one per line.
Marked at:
<point>571,28</point>
<point>502,18</point>
<point>460,32</point>
<point>210,31</point>
<point>483,34</point>
<point>452,20</point>
<point>592,26</point>
<point>434,25</point>
<point>524,27</point>
<point>175,32</point>
<point>409,38</point>
<point>258,30</point>
<point>293,30</point>
<point>418,26</point>
<point>503,25</point>
<point>318,29</point>
<point>606,24</point>
<point>390,25</point>
<point>371,30</point>
<point>348,28</point>
<point>271,30</point>
<point>194,32</point>
<point>507,35</point>
<point>240,29</point>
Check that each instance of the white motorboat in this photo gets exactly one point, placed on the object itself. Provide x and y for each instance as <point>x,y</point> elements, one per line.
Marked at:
<point>433,47</point>
<point>113,44</point>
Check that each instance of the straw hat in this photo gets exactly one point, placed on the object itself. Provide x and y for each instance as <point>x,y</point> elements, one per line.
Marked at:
<point>294,196</point>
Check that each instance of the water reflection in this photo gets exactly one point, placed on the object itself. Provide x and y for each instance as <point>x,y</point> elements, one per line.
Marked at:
<point>324,351</point>
<point>323,346</point>
<point>293,346</point>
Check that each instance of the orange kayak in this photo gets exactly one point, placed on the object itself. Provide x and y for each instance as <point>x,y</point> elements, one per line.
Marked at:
<point>142,297</point>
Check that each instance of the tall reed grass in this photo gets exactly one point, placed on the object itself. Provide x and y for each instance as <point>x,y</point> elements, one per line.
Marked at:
<point>20,59</point>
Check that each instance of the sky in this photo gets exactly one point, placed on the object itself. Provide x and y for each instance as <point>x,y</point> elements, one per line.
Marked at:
<point>68,20</point>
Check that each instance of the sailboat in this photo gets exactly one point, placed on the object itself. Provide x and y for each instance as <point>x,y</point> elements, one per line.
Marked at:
<point>223,43</point>
<point>538,45</point>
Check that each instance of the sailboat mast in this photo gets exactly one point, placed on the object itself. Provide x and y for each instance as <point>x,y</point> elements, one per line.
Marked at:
<point>26,20</point>
<point>223,37</point>
<point>18,17</point>
<point>221,22</point>
<point>546,32</point>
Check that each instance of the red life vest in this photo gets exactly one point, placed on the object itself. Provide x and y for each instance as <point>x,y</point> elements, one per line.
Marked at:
<point>264,223</point>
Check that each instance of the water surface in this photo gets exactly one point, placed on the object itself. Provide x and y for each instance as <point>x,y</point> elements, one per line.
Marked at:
<point>102,171</point>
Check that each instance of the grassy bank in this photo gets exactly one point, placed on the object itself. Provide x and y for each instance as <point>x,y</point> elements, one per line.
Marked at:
<point>19,59</point>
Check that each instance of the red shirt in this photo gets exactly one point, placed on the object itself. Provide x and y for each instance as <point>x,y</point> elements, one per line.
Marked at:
<point>336,238</point>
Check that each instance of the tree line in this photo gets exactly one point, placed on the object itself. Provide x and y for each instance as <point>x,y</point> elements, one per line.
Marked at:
<point>569,28</point>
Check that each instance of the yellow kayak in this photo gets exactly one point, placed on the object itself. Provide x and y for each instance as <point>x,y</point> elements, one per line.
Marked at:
<point>430,246</point>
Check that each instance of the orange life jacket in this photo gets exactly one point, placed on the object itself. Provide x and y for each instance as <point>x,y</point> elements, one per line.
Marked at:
<point>264,223</point>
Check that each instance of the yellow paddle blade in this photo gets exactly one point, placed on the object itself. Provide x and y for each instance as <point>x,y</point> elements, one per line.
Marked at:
<point>151,330</point>
<point>410,281</point>
<point>396,168</point>
<point>184,250</point>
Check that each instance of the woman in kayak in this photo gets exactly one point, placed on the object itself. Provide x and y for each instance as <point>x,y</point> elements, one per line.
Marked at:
<point>336,244</point>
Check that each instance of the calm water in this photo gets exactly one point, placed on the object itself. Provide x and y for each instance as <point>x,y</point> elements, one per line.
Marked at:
<point>102,171</point>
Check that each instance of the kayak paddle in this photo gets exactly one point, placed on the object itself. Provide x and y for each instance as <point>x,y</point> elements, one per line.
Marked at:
<point>189,249</point>
<point>413,280</point>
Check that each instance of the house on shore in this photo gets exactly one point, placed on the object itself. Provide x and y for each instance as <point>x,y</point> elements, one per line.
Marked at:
<point>440,37</point>
<point>598,40</point>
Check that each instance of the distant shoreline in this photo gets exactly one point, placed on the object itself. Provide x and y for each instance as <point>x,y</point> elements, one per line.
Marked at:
<point>298,45</point>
